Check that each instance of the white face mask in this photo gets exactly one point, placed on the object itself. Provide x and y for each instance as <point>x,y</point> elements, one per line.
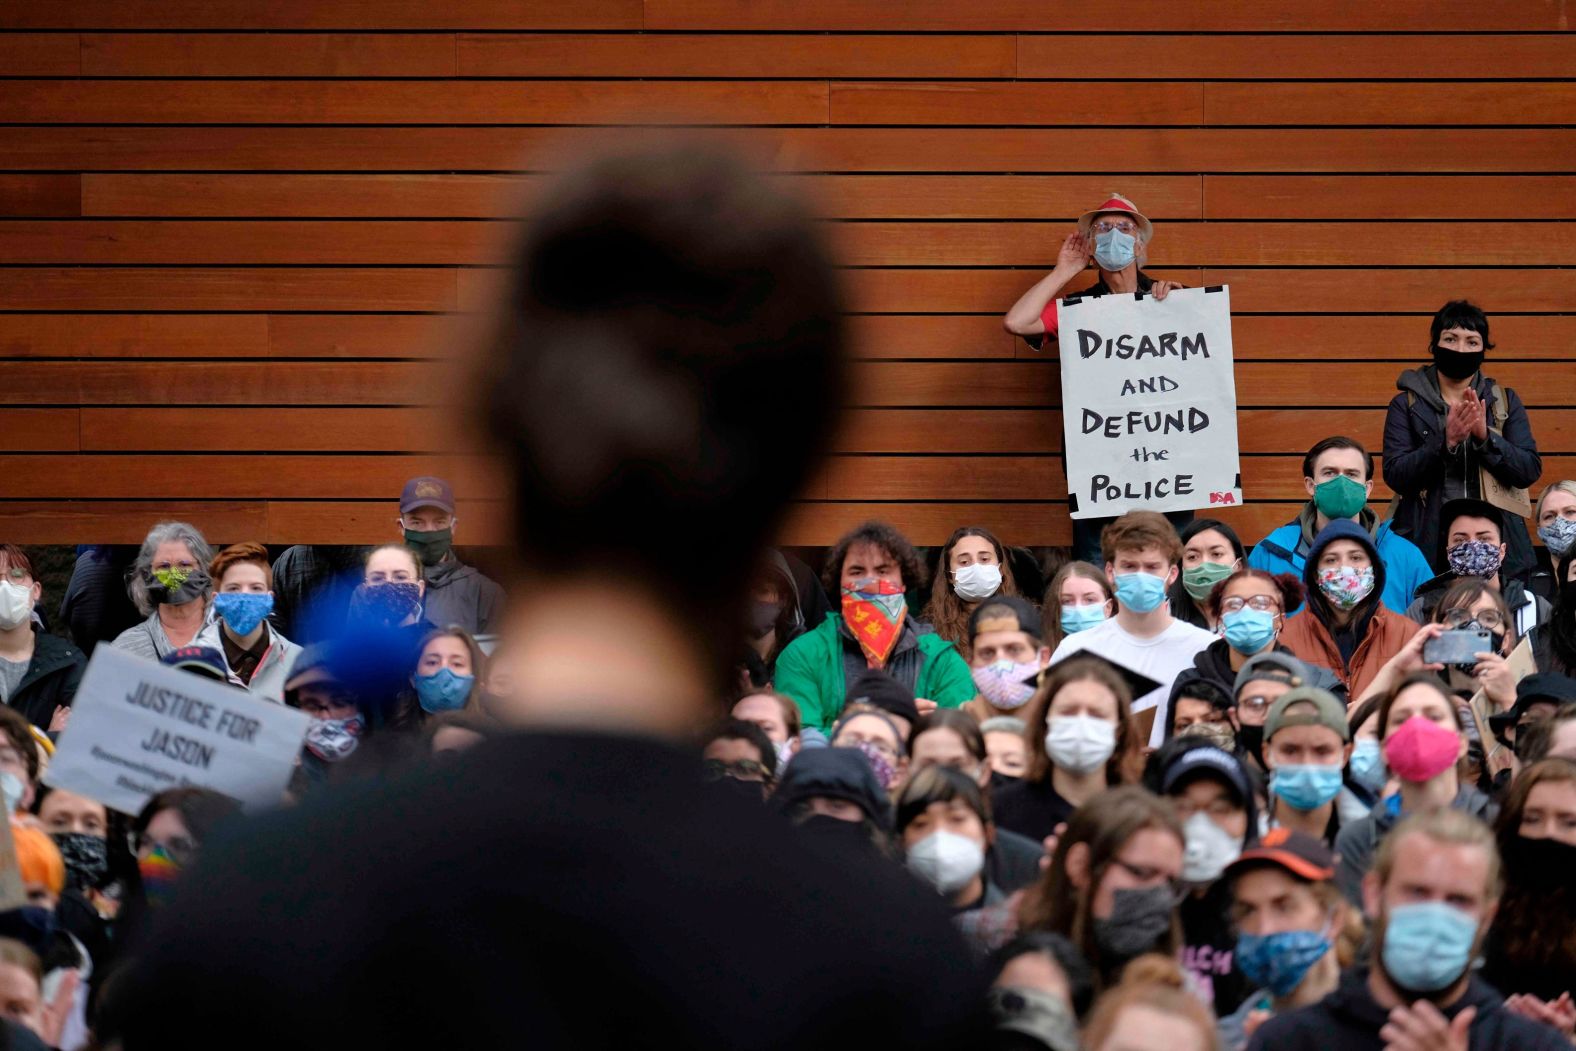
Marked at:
<point>1210,849</point>
<point>976,582</point>
<point>16,604</point>
<point>946,860</point>
<point>1079,743</point>
<point>11,789</point>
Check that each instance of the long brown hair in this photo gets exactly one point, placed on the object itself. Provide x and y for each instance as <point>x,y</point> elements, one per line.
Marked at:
<point>1052,604</point>
<point>1528,928</point>
<point>1123,766</point>
<point>1104,825</point>
<point>947,613</point>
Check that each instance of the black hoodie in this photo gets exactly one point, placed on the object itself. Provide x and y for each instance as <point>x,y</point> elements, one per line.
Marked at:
<point>1350,1019</point>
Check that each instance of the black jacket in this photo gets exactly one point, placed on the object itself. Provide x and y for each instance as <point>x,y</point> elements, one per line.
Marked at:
<point>562,890</point>
<point>51,680</point>
<point>1419,469</point>
<point>1350,1019</point>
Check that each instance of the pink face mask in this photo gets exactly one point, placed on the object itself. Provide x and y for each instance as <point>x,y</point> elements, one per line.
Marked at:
<point>1420,750</point>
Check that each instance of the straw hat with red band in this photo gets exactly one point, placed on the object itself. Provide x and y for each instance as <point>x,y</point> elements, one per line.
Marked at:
<point>1297,852</point>
<point>1118,203</point>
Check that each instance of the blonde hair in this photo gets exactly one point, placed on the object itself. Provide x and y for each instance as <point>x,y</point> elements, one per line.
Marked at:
<point>1564,486</point>
<point>1155,982</point>
<point>1452,826</point>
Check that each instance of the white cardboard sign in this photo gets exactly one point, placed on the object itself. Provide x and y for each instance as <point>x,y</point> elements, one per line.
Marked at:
<point>1149,403</point>
<point>138,728</point>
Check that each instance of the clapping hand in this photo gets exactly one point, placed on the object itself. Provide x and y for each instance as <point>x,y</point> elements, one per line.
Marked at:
<point>1477,414</point>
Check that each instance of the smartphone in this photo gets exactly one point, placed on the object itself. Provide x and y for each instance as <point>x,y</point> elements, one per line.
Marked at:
<point>1458,647</point>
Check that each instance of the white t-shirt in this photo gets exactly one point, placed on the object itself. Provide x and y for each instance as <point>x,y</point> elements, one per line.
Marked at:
<point>1162,658</point>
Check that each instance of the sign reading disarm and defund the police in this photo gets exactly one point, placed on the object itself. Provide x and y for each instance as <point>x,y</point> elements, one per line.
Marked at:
<point>138,728</point>
<point>1149,402</point>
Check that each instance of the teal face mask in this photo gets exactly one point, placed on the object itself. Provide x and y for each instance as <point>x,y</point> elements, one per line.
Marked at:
<point>1340,497</point>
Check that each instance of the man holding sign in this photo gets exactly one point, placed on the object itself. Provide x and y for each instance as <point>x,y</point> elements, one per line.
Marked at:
<point>140,728</point>
<point>1115,237</point>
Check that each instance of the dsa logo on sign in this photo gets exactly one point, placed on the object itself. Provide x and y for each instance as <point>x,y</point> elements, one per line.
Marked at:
<point>1222,498</point>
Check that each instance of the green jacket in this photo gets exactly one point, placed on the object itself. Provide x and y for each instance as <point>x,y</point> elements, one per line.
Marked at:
<point>810,670</point>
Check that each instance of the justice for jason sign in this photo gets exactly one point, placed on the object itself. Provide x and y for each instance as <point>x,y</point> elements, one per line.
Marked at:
<point>138,728</point>
<point>1149,403</point>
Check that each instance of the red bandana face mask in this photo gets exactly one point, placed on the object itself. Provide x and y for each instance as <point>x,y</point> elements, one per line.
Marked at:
<point>874,610</point>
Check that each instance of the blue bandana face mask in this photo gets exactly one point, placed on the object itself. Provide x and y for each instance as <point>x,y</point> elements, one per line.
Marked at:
<point>1113,250</point>
<point>443,690</point>
<point>1559,535</point>
<point>242,611</point>
<point>1280,961</point>
<point>1140,592</point>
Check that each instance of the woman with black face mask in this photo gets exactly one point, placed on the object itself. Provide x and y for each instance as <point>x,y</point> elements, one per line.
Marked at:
<point>1449,425</point>
<point>1531,947</point>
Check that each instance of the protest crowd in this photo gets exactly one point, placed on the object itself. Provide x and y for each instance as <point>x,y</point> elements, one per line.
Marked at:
<point>1179,788</point>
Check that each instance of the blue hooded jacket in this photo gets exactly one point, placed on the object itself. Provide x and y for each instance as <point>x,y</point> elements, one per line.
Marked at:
<point>1405,568</point>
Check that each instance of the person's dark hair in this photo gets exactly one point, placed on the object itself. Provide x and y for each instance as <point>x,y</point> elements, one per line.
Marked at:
<point>731,729</point>
<point>1536,740</point>
<point>656,292</point>
<point>945,611</point>
<point>959,722</point>
<point>1201,688</point>
<point>1324,445</point>
<point>19,732</point>
<point>1458,313</point>
<point>939,784</point>
<point>1367,709</point>
<point>1287,585</point>
<point>201,810</point>
<point>1522,931</point>
<point>1418,678</point>
<point>1080,979</point>
<point>1320,605</point>
<point>1562,619</point>
<point>878,534</point>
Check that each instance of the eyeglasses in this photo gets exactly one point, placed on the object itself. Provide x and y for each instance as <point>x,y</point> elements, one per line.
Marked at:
<point>1255,704</point>
<point>1462,618</point>
<point>182,851</point>
<point>1152,877</point>
<point>1261,603</point>
<point>739,770</point>
<point>1105,226</point>
<point>854,740</point>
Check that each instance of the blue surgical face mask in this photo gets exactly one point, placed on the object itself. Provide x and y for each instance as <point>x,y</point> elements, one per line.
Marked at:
<point>443,690</point>
<point>1427,945</point>
<point>243,610</point>
<point>1080,618</point>
<point>1113,250</point>
<point>1367,764</point>
<point>1140,592</point>
<point>1280,961</point>
<point>1305,786</point>
<point>1248,630</point>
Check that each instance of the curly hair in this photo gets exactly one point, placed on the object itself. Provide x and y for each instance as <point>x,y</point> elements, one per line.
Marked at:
<point>877,534</point>
<point>1290,588</point>
<point>165,532</point>
<point>948,613</point>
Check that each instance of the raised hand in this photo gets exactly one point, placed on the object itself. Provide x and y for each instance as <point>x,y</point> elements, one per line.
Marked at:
<point>1075,253</point>
<point>1476,414</point>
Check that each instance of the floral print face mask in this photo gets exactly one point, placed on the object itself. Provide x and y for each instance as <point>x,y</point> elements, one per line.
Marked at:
<point>1346,586</point>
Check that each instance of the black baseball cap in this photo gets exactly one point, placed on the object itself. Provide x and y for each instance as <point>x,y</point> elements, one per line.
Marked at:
<point>1544,687</point>
<point>1006,613</point>
<point>879,690</point>
<point>1138,684</point>
<point>1298,853</point>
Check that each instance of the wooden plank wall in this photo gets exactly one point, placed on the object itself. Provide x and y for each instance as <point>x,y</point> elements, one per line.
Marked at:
<point>231,231</point>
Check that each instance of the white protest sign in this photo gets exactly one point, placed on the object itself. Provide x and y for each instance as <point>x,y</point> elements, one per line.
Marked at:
<point>1149,403</point>
<point>138,728</point>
